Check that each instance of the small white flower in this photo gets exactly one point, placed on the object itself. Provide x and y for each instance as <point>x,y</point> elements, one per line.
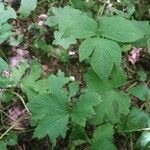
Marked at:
<point>119,1</point>
<point>40,23</point>
<point>108,2</point>
<point>14,61</point>
<point>6,73</point>
<point>72,53</point>
<point>109,6</point>
<point>72,78</point>
<point>42,16</point>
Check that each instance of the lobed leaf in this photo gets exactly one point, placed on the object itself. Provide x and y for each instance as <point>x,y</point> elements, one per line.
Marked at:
<point>114,105</point>
<point>83,109</point>
<point>103,138</point>
<point>53,126</point>
<point>136,119</point>
<point>53,116</point>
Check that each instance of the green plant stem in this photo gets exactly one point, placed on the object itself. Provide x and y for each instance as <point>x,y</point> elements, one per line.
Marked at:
<point>5,113</point>
<point>148,102</point>
<point>11,127</point>
<point>131,86</point>
<point>2,54</point>
<point>101,10</point>
<point>138,130</point>
<point>22,100</point>
<point>131,142</point>
<point>71,3</point>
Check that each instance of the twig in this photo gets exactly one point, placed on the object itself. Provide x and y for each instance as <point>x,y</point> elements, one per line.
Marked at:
<point>11,127</point>
<point>71,3</point>
<point>131,142</point>
<point>131,86</point>
<point>101,10</point>
<point>5,114</point>
<point>138,130</point>
<point>22,100</point>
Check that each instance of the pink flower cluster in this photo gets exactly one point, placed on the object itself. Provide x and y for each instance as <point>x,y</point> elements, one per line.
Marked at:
<point>15,112</point>
<point>21,56</point>
<point>134,55</point>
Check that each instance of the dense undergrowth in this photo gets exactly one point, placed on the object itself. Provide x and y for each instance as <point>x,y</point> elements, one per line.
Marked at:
<point>74,75</point>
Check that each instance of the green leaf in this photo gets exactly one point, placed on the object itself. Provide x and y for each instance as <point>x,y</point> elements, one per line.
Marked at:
<point>53,116</point>
<point>143,142</point>
<point>130,10</point>
<point>140,43</point>
<point>11,139</point>
<point>43,46</point>
<point>143,26</point>
<point>106,53</point>
<point>35,71</point>
<point>6,96</point>
<point>73,88</point>
<point>126,1</point>
<point>73,22</point>
<point>5,82</point>
<point>78,132</point>
<point>78,136</point>
<point>103,137</point>
<point>119,29</point>
<point>118,77</point>
<point>86,48</point>
<point>17,73</point>
<point>113,106</point>
<point>65,42</point>
<point>31,85</point>
<point>127,47</point>
<point>3,145</point>
<point>137,119</point>
<point>5,32</point>
<point>27,6</point>
<point>79,4</point>
<point>94,83</point>
<point>15,41</point>
<point>140,91</point>
<point>57,82</point>
<point>53,126</point>
<point>51,21</point>
<point>6,13</point>
<point>83,109</point>
<point>34,88</point>
<point>142,75</point>
<point>54,113</point>
<point>3,65</point>
<point>148,45</point>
